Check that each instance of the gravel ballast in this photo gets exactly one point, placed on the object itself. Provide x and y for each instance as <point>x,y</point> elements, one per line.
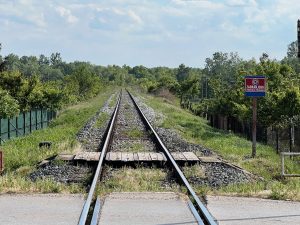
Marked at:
<point>128,120</point>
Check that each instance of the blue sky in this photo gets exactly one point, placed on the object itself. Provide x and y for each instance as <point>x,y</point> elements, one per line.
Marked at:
<point>150,33</point>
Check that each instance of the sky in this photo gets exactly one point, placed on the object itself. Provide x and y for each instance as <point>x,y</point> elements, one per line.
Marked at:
<point>148,32</point>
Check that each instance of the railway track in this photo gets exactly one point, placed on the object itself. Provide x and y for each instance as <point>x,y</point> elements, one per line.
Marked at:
<point>131,128</point>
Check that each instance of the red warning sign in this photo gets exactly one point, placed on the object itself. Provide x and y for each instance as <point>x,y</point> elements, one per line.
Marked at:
<point>255,86</point>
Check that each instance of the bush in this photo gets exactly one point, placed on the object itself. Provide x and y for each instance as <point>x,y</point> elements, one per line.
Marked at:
<point>9,107</point>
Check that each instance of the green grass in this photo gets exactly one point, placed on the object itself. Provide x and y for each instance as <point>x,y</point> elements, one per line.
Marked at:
<point>235,149</point>
<point>194,171</point>
<point>102,119</point>
<point>113,101</point>
<point>18,183</point>
<point>134,133</point>
<point>135,180</point>
<point>135,147</point>
<point>22,154</point>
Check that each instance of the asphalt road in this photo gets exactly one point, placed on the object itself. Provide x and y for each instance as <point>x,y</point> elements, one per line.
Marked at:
<point>146,209</point>
<point>249,211</point>
<point>40,209</point>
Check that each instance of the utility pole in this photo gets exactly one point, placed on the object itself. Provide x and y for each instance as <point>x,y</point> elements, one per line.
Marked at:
<point>298,37</point>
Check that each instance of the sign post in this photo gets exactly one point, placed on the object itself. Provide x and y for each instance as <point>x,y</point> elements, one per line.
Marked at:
<point>255,86</point>
<point>254,119</point>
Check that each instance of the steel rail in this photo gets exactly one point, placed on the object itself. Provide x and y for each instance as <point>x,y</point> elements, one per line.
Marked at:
<point>87,204</point>
<point>205,214</point>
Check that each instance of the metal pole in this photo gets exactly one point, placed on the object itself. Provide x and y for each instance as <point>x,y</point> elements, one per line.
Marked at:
<point>282,164</point>
<point>254,118</point>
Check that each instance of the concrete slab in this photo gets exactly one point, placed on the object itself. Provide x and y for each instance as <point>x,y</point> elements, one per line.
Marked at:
<point>40,209</point>
<point>164,208</point>
<point>249,211</point>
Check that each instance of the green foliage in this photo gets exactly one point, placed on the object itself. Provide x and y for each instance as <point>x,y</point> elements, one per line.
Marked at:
<point>22,154</point>
<point>83,83</point>
<point>234,149</point>
<point>225,76</point>
<point>8,105</point>
<point>53,96</point>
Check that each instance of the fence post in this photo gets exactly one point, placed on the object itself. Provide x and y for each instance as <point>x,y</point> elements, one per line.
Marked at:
<point>1,162</point>
<point>8,128</point>
<point>17,126</point>
<point>30,121</point>
<point>24,122</point>
<point>36,119</point>
<point>42,118</point>
<point>47,118</point>
<point>282,164</point>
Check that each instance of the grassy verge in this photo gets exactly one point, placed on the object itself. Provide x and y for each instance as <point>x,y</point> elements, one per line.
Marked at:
<point>22,154</point>
<point>234,149</point>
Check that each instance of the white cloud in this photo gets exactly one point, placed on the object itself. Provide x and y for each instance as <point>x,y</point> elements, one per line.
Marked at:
<point>23,12</point>
<point>241,3</point>
<point>136,18</point>
<point>67,14</point>
<point>288,9</point>
<point>167,28</point>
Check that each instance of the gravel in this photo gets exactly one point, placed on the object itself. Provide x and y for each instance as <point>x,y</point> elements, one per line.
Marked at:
<point>64,173</point>
<point>216,174</point>
<point>173,141</point>
<point>130,134</point>
<point>90,138</point>
<point>220,174</point>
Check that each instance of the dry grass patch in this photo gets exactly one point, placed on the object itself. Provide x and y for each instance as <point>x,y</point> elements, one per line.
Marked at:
<point>194,171</point>
<point>135,180</point>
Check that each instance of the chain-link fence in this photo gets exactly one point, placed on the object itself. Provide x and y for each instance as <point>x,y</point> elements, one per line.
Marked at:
<point>24,123</point>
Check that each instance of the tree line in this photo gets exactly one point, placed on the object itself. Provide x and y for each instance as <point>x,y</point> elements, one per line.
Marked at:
<point>216,89</point>
<point>30,82</point>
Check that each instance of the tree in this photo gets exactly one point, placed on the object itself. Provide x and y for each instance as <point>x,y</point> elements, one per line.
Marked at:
<point>11,62</point>
<point>291,58</point>
<point>292,50</point>
<point>12,81</point>
<point>29,66</point>
<point>182,72</point>
<point>55,59</point>
<point>43,60</point>
<point>53,96</point>
<point>8,105</point>
<point>86,83</point>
